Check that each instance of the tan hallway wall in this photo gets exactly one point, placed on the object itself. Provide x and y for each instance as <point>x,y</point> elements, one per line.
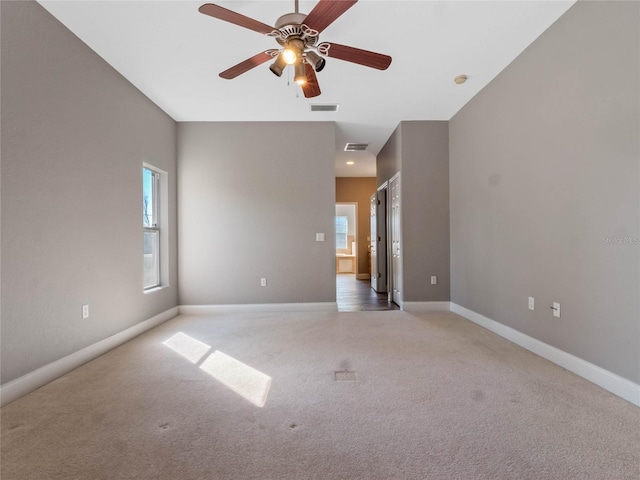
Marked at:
<point>358,189</point>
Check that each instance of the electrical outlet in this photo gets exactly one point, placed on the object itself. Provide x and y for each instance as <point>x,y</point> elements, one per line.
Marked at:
<point>85,311</point>
<point>434,280</point>
<point>319,237</point>
<point>263,282</point>
<point>531,303</point>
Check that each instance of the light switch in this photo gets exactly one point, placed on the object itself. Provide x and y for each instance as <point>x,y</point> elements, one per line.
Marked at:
<point>556,309</point>
<point>319,237</point>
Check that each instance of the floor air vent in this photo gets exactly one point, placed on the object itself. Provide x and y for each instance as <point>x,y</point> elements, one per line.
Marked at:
<point>345,376</point>
<point>355,147</point>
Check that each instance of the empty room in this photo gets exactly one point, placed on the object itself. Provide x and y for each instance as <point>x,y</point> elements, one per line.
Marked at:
<point>320,240</point>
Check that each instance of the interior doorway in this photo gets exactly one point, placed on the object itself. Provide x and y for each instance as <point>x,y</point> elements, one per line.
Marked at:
<point>346,238</point>
<point>353,291</point>
<point>378,241</point>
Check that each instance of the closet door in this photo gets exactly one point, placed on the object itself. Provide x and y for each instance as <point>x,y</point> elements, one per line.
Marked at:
<point>396,242</point>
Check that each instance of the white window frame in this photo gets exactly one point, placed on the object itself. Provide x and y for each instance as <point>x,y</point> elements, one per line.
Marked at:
<point>160,221</point>
<point>346,232</point>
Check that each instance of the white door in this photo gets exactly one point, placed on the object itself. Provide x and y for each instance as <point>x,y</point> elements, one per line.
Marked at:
<point>396,242</point>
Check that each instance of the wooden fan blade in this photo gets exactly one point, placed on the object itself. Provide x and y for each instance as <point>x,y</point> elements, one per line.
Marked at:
<point>247,65</point>
<point>222,13</point>
<point>311,88</point>
<point>356,55</point>
<point>326,12</point>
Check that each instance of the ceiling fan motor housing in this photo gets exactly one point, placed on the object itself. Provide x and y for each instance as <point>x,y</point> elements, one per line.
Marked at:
<point>290,26</point>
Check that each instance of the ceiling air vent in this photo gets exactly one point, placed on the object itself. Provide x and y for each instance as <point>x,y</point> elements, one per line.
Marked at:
<point>355,147</point>
<point>327,107</point>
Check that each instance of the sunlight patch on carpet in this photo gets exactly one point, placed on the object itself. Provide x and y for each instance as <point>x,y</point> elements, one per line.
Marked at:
<point>190,348</point>
<point>247,382</point>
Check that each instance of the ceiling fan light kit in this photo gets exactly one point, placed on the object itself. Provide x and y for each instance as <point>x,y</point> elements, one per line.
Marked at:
<point>300,76</point>
<point>293,51</point>
<point>278,66</point>
<point>298,35</point>
<point>316,61</point>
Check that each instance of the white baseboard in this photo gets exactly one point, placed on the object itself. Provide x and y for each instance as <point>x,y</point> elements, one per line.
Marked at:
<point>31,381</point>
<point>615,384</point>
<point>263,307</point>
<point>418,307</point>
<point>363,276</point>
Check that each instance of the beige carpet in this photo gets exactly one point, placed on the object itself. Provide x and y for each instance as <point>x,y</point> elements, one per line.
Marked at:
<point>434,397</point>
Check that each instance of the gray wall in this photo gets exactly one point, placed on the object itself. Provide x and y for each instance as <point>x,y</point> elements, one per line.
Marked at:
<point>74,137</point>
<point>389,160</point>
<point>420,151</point>
<point>545,188</point>
<point>425,210</point>
<point>252,197</point>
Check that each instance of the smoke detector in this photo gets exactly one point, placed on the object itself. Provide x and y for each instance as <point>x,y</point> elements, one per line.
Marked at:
<point>460,79</point>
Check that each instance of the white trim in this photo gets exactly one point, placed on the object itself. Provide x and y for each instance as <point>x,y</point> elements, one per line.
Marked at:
<point>27,383</point>
<point>426,306</point>
<point>615,384</point>
<point>262,307</point>
<point>363,276</point>
<point>155,289</point>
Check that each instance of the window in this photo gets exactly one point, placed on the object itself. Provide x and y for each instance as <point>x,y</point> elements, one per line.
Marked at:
<point>341,231</point>
<point>151,227</point>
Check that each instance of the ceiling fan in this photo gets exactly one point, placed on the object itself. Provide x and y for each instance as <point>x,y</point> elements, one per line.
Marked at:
<point>298,35</point>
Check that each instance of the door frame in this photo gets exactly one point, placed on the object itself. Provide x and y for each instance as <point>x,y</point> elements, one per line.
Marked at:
<point>382,217</point>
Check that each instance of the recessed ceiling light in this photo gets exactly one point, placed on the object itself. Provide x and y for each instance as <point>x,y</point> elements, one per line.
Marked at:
<point>350,162</point>
<point>460,79</point>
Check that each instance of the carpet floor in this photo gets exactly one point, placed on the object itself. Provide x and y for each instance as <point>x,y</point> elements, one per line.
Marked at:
<point>257,396</point>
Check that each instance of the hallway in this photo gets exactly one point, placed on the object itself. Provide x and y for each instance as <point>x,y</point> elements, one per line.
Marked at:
<point>354,295</point>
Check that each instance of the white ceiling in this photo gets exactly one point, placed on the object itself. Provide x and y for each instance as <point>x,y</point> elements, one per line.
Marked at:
<point>173,54</point>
